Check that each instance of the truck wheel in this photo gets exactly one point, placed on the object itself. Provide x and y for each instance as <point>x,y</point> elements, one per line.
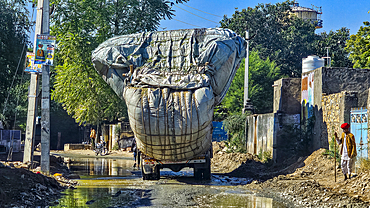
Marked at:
<point>207,170</point>
<point>197,173</point>
<point>151,176</point>
<point>145,176</point>
<point>157,173</point>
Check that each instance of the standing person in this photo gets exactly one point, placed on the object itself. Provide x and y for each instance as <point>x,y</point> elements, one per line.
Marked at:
<point>92,138</point>
<point>134,150</point>
<point>348,150</point>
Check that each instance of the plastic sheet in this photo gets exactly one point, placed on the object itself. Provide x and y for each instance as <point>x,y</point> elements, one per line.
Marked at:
<point>176,79</point>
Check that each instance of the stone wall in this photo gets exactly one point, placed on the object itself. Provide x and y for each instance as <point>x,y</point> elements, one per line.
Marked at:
<point>335,79</point>
<point>328,81</point>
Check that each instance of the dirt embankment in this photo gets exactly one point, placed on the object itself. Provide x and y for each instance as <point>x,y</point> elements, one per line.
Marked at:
<point>308,182</point>
<point>29,188</point>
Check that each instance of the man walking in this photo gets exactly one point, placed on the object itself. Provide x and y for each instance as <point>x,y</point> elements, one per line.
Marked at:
<point>92,138</point>
<point>348,150</point>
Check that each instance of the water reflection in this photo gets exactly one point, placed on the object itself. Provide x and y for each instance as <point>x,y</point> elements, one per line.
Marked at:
<point>115,183</point>
<point>238,200</point>
<point>100,166</point>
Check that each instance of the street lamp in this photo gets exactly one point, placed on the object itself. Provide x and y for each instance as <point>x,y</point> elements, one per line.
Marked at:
<point>246,102</point>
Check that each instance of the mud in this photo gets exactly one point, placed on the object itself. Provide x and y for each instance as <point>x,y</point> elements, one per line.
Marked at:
<point>307,182</point>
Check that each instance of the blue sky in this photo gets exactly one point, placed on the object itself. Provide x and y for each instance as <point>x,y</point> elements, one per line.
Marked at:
<point>336,14</point>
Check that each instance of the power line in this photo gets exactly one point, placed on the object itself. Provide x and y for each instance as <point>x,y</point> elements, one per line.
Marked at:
<point>202,11</point>
<point>195,14</point>
<point>186,23</point>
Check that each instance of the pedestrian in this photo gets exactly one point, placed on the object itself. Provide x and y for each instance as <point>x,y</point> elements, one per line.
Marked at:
<point>92,137</point>
<point>134,149</point>
<point>348,150</point>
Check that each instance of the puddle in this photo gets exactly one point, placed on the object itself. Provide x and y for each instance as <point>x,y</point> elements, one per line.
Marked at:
<point>115,183</point>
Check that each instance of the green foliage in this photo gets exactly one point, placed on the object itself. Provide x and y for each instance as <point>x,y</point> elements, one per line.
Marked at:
<point>284,38</point>
<point>336,40</point>
<point>264,156</point>
<point>234,125</point>
<point>80,26</point>
<point>333,150</point>
<point>358,47</point>
<point>115,146</point>
<point>14,28</point>
<point>262,74</point>
<point>117,130</point>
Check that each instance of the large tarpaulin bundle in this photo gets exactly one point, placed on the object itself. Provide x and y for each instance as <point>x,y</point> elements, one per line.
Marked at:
<point>171,81</point>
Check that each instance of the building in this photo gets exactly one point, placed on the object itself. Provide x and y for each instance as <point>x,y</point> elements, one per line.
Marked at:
<point>312,14</point>
<point>308,110</point>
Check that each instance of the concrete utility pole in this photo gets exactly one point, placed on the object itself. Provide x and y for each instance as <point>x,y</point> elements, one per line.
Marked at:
<point>246,102</point>
<point>32,97</point>
<point>45,100</point>
<point>42,27</point>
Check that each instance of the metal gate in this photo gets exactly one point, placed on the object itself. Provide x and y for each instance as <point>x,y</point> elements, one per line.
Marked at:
<point>359,130</point>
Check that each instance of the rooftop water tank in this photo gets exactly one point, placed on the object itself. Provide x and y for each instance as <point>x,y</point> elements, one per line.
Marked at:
<point>311,63</point>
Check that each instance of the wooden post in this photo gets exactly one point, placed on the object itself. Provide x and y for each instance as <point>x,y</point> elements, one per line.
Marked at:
<point>335,159</point>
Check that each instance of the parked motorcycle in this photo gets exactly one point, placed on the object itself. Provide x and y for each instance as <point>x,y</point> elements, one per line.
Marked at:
<point>100,149</point>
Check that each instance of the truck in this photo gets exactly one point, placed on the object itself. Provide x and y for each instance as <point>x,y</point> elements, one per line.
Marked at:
<point>171,81</point>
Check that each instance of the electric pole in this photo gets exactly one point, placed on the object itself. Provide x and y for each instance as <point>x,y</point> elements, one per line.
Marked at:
<point>45,99</point>
<point>42,27</point>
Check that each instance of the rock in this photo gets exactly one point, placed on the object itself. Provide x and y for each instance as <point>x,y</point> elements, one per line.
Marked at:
<point>28,203</point>
<point>117,194</point>
<point>2,165</point>
<point>90,202</point>
<point>41,187</point>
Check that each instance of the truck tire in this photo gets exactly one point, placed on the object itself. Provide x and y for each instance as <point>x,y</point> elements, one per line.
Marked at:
<point>156,175</point>
<point>203,172</point>
<point>197,173</point>
<point>207,170</point>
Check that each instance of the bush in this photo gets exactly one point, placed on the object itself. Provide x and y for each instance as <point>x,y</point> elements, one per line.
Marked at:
<point>235,128</point>
<point>264,156</point>
<point>330,151</point>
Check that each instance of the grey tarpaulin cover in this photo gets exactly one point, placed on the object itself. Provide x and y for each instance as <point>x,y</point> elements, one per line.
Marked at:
<point>177,78</point>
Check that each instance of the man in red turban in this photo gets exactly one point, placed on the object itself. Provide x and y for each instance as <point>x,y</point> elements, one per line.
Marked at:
<point>348,150</point>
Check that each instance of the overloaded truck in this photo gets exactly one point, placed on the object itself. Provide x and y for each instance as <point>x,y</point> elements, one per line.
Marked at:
<point>171,81</point>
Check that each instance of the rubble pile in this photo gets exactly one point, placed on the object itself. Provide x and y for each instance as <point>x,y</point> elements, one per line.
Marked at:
<point>223,162</point>
<point>29,188</point>
<point>313,185</point>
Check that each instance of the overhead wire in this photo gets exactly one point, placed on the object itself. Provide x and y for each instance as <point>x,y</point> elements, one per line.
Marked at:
<point>195,14</point>
<point>202,11</point>
<point>10,153</point>
<point>186,23</point>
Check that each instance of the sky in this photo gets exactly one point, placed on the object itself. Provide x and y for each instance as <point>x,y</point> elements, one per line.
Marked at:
<point>335,13</point>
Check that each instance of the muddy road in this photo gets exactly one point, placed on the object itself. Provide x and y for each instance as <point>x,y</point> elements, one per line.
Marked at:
<point>110,182</point>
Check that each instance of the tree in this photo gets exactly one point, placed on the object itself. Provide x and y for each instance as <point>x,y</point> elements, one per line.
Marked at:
<point>14,28</point>
<point>276,34</point>
<point>80,26</point>
<point>336,41</point>
<point>358,47</point>
<point>262,74</point>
